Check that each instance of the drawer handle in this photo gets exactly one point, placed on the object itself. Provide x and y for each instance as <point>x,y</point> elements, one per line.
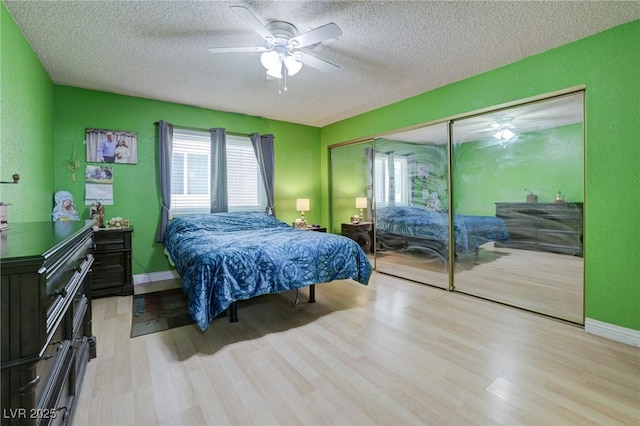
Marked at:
<point>61,293</point>
<point>76,269</point>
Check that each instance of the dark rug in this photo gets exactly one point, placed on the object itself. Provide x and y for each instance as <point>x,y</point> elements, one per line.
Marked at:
<point>160,310</point>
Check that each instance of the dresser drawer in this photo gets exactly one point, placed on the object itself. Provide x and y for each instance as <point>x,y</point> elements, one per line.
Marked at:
<point>112,240</point>
<point>108,277</point>
<point>59,408</point>
<point>60,294</point>
<point>52,374</point>
<point>78,309</point>
<point>105,260</point>
<point>52,354</point>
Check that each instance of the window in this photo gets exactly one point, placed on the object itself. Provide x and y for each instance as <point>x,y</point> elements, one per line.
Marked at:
<point>383,182</point>
<point>244,180</point>
<point>191,176</point>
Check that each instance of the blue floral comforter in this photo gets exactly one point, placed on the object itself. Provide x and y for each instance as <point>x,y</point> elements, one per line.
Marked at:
<point>225,257</point>
<point>470,232</point>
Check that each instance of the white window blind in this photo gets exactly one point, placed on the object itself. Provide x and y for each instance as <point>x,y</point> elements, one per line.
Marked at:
<point>244,180</point>
<point>190,174</point>
<point>190,171</point>
<point>382,181</point>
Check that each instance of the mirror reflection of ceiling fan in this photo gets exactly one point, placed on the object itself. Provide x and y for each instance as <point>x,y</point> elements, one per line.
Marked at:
<point>282,55</point>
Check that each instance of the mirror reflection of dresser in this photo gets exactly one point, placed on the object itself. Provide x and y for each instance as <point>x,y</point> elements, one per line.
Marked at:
<point>550,227</point>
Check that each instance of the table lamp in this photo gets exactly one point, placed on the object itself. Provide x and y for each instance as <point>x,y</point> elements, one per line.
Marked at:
<point>361,203</point>
<point>302,205</point>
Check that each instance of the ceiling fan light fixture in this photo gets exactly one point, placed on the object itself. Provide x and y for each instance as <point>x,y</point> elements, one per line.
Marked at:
<point>293,66</point>
<point>504,134</point>
<point>270,60</point>
<point>275,72</point>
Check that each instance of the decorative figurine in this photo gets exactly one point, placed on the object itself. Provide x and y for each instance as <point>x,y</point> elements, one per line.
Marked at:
<point>433,203</point>
<point>65,209</point>
<point>559,197</point>
<point>531,198</point>
<point>97,214</point>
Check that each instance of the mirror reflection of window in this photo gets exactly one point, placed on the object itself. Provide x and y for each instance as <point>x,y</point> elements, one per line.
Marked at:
<point>391,180</point>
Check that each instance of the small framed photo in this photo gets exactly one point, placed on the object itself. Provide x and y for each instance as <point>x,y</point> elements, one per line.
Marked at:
<point>111,146</point>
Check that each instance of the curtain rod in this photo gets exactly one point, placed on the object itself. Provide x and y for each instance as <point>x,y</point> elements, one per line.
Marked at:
<point>206,130</point>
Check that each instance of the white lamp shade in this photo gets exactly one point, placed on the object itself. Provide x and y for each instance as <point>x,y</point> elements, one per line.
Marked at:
<point>361,202</point>
<point>302,204</point>
<point>270,59</point>
<point>275,72</point>
<point>505,134</point>
<point>292,65</point>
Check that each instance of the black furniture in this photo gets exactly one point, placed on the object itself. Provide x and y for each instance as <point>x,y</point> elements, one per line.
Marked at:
<point>314,228</point>
<point>550,227</point>
<point>46,319</point>
<point>362,233</point>
<point>112,274</point>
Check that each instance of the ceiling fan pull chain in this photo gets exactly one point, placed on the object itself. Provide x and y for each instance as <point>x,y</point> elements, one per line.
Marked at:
<point>285,78</point>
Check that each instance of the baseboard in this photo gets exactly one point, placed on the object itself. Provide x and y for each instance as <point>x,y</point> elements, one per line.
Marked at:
<point>613,332</point>
<point>155,276</point>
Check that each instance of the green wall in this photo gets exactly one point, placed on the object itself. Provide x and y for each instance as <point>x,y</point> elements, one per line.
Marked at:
<point>607,64</point>
<point>136,193</point>
<point>544,162</point>
<point>26,140</point>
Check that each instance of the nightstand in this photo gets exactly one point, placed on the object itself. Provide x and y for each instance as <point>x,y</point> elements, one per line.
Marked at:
<point>112,274</point>
<point>312,228</point>
<point>361,233</point>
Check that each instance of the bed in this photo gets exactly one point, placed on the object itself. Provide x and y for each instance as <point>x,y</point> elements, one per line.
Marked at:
<point>415,228</point>
<point>226,257</point>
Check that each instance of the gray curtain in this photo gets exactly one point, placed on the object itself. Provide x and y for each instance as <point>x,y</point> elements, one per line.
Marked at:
<point>370,155</point>
<point>219,196</point>
<point>392,179</point>
<point>263,147</point>
<point>412,172</point>
<point>165,148</point>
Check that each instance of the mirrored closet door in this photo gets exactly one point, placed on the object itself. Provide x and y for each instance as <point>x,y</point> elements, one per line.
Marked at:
<point>411,199</point>
<point>351,193</point>
<point>512,231</point>
<point>518,188</point>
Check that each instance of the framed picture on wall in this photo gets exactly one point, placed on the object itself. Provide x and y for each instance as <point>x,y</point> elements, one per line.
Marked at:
<point>111,146</point>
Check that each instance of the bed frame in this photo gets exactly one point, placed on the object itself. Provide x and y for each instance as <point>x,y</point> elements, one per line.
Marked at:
<point>233,308</point>
<point>403,243</point>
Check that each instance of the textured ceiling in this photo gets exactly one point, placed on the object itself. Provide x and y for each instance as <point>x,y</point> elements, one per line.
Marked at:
<point>390,50</point>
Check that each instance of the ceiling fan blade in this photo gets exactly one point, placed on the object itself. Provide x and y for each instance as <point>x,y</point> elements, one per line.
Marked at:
<point>237,49</point>
<point>251,19</point>
<point>316,63</point>
<point>316,35</point>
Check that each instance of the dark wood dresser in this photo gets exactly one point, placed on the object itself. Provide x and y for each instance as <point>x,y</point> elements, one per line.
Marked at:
<point>551,227</point>
<point>46,319</point>
<point>362,233</point>
<point>112,274</point>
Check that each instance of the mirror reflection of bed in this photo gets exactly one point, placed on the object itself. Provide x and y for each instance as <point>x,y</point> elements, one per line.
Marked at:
<point>494,157</point>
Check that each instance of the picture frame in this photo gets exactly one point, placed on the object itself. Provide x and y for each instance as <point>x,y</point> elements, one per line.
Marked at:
<point>111,146</point>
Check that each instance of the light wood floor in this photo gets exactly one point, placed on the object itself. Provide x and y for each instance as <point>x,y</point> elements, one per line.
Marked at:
<point>547,283</point>
<point>391,353</point>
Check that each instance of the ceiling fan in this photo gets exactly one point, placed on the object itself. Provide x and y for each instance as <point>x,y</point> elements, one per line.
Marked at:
<point>281,52</point>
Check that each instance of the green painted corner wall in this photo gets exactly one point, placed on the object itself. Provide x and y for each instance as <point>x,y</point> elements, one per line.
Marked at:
<point>607,65</point>
<point>26,140</point>
<point>136,193</point>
